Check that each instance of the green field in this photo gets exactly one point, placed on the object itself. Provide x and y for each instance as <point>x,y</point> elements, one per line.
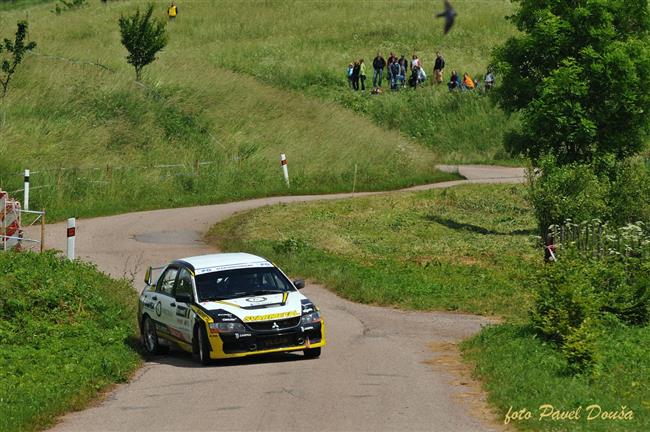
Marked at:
<point>219,94</point>
<point>66,332</point>
<point>469,249</point>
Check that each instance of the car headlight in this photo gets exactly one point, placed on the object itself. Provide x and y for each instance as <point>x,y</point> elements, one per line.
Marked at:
<point>227,327</point>
<point>310,318</point>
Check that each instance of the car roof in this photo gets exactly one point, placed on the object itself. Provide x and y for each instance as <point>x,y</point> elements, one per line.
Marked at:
<point>221,260</point>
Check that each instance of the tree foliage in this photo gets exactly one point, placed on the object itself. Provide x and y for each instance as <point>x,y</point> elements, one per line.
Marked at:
<point>15,52</point>
<point>143,37</point>
<point>578,73</point>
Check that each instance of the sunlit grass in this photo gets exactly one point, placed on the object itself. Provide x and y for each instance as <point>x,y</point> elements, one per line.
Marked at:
<point>468,248</point>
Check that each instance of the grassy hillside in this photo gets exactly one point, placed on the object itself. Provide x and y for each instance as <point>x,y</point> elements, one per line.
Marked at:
<point>307,46</point>
<point>65,333</point>
<point>209,98</point>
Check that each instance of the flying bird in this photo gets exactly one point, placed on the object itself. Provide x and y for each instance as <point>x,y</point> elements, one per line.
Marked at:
<point>449,14</point>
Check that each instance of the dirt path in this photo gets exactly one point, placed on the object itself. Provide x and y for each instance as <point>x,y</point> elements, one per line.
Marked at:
<point>373,375</point>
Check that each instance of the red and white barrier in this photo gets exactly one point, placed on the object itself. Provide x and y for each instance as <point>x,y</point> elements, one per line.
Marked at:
<point>285,169</point>
<point>10,232</point>
<point>71,234</point>
<point>26,190</point>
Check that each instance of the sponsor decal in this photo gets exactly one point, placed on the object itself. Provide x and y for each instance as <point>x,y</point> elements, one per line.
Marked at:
<point>233,266</point>
<point>256,299</point>
<point>275,326</point>
<point>274,316</point>
<point>158,308</point>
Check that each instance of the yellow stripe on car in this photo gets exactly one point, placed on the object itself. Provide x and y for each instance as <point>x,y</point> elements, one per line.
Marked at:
<point>274,316</point>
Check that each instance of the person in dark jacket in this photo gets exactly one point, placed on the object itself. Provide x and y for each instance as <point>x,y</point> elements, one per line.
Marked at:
<point>454,81</point>
<point>438,68</point>
<point>378,65</point>
<point>356,68</point>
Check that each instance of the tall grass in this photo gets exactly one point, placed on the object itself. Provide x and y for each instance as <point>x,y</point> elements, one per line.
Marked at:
<point>306,46</point>
<point>74,104</point>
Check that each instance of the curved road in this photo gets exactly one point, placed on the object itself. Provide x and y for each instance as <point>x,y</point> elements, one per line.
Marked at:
<point>373,375</point>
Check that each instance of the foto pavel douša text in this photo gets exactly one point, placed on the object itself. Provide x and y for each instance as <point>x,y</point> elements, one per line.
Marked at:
<point>593,412</point>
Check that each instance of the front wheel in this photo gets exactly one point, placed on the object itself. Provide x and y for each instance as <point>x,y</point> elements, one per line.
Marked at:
<point>203,346</point>
<point>150,337</point>
<point>312,353</point>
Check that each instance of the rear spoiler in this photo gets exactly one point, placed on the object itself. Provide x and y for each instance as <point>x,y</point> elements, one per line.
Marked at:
<point>148,276</point>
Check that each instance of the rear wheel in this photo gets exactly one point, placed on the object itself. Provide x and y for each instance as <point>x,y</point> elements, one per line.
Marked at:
<point>150,337</point>
<point>202,349</point>
<point>312,352</point>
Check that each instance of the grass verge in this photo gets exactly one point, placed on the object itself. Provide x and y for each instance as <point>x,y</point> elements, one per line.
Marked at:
<point>65,334</point>
<point>521,371</point>
<point>466,248</point>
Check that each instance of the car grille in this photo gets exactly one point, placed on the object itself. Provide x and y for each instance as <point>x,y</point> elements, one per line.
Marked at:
<point>268,325</point>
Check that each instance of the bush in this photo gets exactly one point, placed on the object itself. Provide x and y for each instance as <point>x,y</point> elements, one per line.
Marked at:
<point>576,294</point>
<point>567,192</point>
<point>629,194</point>
<point>609,190</point>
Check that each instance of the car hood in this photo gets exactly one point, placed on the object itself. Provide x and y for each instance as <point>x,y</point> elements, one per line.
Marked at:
<point>260,308</point>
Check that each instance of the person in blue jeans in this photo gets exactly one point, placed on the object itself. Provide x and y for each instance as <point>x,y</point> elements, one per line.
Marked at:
<point>378,65</point>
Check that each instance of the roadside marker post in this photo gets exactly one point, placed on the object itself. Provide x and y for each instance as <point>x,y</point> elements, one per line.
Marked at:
<point>71,233</point>
<point>26,191</point>
<point>285,169</point>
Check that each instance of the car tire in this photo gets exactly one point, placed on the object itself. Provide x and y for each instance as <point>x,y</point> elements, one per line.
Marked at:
<point>312,353</point>
<point>150,338</point>
<point>202,349</point>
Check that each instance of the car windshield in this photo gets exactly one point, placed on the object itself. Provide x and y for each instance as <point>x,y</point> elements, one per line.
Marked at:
<point>245,282</point>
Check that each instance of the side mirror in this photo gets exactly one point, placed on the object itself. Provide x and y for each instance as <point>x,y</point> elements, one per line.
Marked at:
<point>147,276</point>
<point>299,283</point>
<point>183,297</point>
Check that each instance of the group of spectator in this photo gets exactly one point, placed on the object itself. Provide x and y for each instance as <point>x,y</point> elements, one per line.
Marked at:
<point>397,73</point>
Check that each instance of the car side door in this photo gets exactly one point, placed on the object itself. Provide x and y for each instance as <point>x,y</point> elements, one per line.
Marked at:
<point>165,306</point>
<point>182,324</point>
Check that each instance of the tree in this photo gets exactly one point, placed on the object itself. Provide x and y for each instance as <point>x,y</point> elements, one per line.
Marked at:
<point>578,74</point>
<point>143,37</point>
<point>15,50</point>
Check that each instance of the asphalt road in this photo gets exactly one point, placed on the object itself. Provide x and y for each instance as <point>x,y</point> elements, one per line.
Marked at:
<point>374,374</point>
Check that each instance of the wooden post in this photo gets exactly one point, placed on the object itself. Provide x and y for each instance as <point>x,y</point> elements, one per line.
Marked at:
<point>197,167</point>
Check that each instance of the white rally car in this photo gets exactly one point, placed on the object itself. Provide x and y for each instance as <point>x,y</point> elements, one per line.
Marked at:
<point>227,305</point>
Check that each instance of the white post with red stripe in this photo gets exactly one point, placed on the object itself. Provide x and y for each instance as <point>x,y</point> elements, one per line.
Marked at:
<point>71,233</point>
<point>26,191</point>
<point>285,169</point>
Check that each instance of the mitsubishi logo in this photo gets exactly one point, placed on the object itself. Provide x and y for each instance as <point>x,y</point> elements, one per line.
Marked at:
<point>275,326</point>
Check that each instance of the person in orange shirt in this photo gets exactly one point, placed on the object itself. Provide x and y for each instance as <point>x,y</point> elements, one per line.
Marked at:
<point>468,82</point>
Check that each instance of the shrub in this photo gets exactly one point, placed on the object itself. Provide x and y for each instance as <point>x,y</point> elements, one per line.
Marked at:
<point>609,190</point>
<point>566,192</point>
<point>578,292</point>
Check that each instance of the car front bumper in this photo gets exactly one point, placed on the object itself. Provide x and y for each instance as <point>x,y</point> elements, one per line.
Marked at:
<point>224,345</point>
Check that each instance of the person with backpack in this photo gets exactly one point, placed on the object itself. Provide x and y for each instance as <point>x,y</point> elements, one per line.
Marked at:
<point>438,67</point>
<point>378,65</point>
